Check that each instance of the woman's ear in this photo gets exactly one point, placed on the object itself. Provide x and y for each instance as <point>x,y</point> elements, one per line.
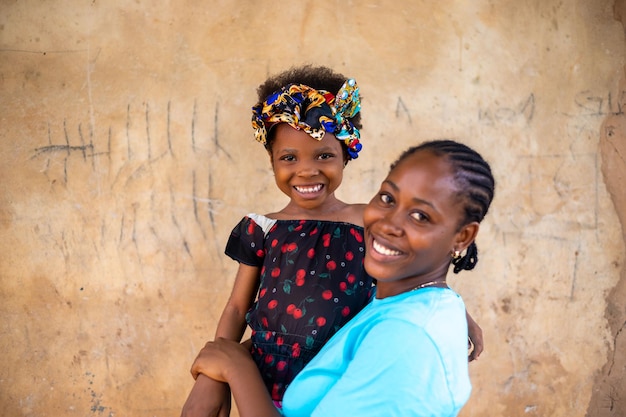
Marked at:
<point>466,236</point>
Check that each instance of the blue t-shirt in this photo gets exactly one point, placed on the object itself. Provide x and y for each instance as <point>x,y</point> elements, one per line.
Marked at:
<point>404,355</point>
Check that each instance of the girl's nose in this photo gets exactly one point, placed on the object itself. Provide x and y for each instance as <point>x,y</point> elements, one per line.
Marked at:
<point>307,169</point>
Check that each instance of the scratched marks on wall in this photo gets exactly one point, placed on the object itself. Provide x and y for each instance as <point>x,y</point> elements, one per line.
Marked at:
<point>586,104</point>
<point>65,149</point>
<point>589,103</point>
<point>149,175</point>
<point>523,110</point>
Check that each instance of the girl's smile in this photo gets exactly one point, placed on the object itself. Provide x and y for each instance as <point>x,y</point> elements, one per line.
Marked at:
<point>309,191</point>
<point>306,170</point>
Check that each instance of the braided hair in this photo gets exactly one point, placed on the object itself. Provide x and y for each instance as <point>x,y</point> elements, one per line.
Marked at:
<point>475,183</point>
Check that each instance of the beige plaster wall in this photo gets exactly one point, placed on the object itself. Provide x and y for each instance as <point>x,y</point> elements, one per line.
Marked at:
<point>126,156</point>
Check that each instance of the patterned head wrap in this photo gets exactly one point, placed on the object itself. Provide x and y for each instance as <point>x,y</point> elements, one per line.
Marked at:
<point>314,111</point>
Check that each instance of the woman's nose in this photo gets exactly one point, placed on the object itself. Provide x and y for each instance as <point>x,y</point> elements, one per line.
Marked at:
<point>390,223</point>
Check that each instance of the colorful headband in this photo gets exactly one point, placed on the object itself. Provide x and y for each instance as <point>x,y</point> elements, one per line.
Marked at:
<point>314,111</point>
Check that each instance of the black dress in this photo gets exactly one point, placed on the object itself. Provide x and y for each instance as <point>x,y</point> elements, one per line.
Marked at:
<point>312,282</point>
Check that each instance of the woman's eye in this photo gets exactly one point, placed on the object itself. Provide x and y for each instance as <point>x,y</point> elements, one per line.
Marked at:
<point>385,199</point>
<point>420,217</point>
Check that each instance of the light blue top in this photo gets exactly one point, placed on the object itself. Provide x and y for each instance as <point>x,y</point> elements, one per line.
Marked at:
<point>404,355</point>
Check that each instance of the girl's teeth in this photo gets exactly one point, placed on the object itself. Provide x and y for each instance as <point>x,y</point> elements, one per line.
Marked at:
<point>313,189</point>
<point>383,250</point>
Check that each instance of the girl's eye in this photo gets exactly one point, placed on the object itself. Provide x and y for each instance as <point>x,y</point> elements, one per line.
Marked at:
<point>288,158</point>
<point>326,156</point>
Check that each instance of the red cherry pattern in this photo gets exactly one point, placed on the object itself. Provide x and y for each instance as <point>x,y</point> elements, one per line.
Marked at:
<point>311,283</point>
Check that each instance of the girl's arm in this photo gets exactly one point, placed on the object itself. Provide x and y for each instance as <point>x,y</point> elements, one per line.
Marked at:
<point>209,398</point>
<point>232,323</point>
<point>230,362</point>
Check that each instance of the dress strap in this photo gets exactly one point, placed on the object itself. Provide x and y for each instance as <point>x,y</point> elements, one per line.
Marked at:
<point>264,223</point>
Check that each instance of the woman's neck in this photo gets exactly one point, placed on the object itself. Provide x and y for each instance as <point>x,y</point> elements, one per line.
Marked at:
<point>389,288</point>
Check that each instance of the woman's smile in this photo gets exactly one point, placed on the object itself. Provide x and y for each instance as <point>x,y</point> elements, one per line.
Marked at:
<point>384,250</point>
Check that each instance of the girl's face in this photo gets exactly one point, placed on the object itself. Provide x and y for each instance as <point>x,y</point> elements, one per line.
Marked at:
<point>412,225</point>
<point>308,171</point>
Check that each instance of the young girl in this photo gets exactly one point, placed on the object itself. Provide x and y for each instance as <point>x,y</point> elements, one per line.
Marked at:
<point>304,261</point>
<point>405,353</point>
<point>300,277</point>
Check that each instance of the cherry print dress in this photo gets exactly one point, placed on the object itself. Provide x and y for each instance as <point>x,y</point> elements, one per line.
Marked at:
<point>312,282</point>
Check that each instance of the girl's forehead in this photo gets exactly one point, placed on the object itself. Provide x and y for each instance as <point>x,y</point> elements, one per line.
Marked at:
<point>287,136</point>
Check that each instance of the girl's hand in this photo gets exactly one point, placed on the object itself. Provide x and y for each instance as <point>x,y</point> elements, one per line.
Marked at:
<point>218,357</point>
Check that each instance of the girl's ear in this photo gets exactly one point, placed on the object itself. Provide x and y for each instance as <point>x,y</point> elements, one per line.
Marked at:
<point>466,236</point>
<point>271,158</point>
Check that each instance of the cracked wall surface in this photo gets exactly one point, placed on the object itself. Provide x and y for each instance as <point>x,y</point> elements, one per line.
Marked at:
<point>609,394</point>
<point>127,157</point>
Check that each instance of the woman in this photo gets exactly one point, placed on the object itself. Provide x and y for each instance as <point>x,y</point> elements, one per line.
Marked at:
<point>406,352</point>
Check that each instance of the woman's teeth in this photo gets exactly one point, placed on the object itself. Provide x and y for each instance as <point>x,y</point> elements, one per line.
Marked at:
<point>383,250</point>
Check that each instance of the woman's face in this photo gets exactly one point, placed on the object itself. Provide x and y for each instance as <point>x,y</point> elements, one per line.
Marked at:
<point>412,224</point>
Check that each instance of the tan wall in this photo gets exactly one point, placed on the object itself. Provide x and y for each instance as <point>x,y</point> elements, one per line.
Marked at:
<point>126,156</point>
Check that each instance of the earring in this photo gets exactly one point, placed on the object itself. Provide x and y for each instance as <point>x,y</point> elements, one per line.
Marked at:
<point>456,254</point>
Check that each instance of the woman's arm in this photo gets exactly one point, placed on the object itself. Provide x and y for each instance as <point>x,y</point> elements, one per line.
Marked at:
<point>228,361</point>
<point>475,334</point>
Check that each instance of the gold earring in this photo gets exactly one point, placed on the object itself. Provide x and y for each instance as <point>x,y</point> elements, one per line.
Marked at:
<point>456,254</point>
